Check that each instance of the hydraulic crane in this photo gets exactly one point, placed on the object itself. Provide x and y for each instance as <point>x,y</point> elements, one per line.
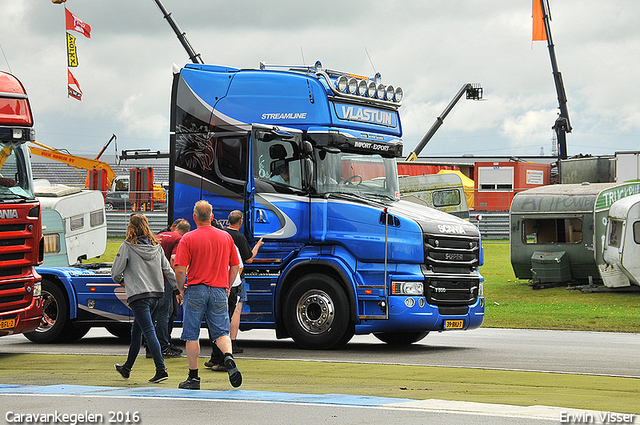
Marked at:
<point>473,91</point>
<point>562,125</point>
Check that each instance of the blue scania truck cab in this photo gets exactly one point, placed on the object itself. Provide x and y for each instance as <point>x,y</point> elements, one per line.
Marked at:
<point>309,155</point>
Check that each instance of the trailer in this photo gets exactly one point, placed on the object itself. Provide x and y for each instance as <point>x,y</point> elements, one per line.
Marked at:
<point>557,232</point>
<point>444,192</point>
<point>621,265</point>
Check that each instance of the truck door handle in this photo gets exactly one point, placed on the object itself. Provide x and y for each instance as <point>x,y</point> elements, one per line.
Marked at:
<point>261,217</point>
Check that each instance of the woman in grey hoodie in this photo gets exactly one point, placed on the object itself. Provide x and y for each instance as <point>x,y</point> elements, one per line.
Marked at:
<point>139,267</point>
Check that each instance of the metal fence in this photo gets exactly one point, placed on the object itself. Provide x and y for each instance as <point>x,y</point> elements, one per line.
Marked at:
<point>492,225</point>
<point>117,222</point>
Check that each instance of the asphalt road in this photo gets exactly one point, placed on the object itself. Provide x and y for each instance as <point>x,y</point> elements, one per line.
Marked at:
<point>600,353</point>
<point>527,350</point>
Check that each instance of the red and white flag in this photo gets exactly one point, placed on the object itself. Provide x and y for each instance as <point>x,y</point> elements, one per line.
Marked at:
<point>76,93</point>
<point>75,24</point>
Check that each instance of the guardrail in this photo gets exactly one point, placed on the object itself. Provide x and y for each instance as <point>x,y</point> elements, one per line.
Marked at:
<point>492,225</point>
<point>117,222</point>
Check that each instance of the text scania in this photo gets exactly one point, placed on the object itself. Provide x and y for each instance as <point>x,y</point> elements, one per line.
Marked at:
<point>285,116</point>
<point>367,115</point>
<point>8,214</point>
<point>448,228</point>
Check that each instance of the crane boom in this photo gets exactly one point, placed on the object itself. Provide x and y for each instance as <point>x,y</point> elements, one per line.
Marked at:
<point>182,36</point>
<point>473,92</point>
<point>72,160</point>
<point>562,126</point>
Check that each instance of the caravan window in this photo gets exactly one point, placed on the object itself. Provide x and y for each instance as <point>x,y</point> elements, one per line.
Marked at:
<point>446,198</point>
<point>636,232</point>
<point>615,233</point>
<point>96,218</point>
<point>76,222</point>
<point>51,243</point>
<point>552,230</point>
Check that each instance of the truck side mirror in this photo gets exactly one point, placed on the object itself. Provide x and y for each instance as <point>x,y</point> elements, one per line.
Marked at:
<point>307,149</point>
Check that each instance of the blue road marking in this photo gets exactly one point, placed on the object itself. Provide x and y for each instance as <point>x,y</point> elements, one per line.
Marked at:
<point>231,395</point>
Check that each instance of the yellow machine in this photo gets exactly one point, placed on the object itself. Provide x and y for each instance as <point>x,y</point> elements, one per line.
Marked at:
<point>112,182</point>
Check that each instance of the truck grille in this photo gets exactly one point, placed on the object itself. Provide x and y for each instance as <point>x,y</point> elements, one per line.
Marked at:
<point>450,254</point>
<point>450,269</point>
<point>452,292</point>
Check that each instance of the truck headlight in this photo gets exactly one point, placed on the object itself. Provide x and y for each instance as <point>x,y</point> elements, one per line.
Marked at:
<point>37,289</point>
<point>481,289</point>
<point>407,288</point>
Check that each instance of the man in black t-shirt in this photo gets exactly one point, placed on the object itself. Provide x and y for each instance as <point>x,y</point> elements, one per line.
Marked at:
<point>237,294</point>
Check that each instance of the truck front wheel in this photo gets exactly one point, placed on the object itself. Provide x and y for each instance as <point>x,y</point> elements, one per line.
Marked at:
<point>316,313</point>
<point>55,315</point>
<point>400,338</point>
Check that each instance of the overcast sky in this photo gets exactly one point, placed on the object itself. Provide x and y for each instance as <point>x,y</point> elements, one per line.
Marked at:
<point>430,48</point>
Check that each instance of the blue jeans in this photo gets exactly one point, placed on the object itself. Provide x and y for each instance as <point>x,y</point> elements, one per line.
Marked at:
<point>143,309</point>
<point>204,302</point>
<point>163,311</point>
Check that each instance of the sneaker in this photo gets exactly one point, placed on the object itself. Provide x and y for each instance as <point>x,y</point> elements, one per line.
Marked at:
<point>190,384</point>
<point>123,371</point>
<point>175,348</point>
<point>161,375</point>
<point>218,368</point>
<point>235,377</point>
<point>235,348</point>
<point>213,361</point>
<point>168,353</point>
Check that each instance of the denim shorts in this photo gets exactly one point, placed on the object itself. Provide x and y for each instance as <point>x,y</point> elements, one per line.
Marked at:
<point>202,302</point>
<point>243,292</point>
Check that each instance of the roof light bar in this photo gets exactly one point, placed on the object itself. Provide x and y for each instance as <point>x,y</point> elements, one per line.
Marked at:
<point>350,85</point>
<point>365,88</point>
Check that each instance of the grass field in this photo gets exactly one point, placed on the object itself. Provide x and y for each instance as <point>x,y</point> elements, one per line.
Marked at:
<point>511,303</point>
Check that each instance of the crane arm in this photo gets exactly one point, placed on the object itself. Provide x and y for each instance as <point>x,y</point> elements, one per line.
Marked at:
<point>562,126</point>
<point>72,160</point>
<point>473,92</point>
<point>182,36</point>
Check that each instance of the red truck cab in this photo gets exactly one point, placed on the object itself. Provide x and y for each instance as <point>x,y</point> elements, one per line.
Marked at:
<point>21,241</point>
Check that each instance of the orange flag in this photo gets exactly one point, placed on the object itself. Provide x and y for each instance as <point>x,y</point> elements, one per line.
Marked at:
<point>539,33</point>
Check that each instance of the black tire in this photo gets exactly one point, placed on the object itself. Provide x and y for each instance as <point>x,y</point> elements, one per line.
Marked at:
<point>400,338</point>
<point>120,330</point>
<point>55,316</point>
<point>316,313</point>
<point>108,206</point>
<point>75,332</point>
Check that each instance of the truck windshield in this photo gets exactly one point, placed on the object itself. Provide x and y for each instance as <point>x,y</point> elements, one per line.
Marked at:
<point>370,176</point>
<point>16,181</point>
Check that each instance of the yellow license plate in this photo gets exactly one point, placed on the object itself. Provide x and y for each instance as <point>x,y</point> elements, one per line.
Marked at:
<point>453,324</point>
<point>7,324</point>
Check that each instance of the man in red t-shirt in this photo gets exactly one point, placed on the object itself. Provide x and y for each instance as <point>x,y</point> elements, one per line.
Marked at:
<point>208,262</point>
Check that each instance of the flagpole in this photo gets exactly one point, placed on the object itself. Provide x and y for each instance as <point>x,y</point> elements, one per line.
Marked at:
<point>64,17</point>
